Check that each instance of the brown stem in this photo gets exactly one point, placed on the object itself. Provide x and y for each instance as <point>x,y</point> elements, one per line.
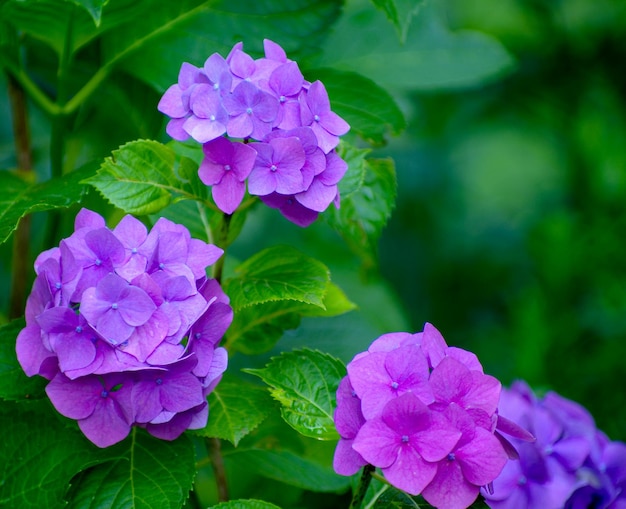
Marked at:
<point>21,239</point>
<point>217,462</point>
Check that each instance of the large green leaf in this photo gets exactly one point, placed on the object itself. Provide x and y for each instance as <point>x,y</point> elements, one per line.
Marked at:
<point>363,214</point>
<point>191,30</point>
<point>144,176</point>
<point>14,384</point>
<point>368,108</point>
<point>305,383</point>
<point>147,473</point>
<point>431,58</point>
<point>93,7</point>
<point>39,456</point>
<point>256,329</point>
<point>17,198</point>
<point>289,468</point>
<point>278,273</point>
<point>236,408</point>
<point>355,157</point>
<point>400,13</point>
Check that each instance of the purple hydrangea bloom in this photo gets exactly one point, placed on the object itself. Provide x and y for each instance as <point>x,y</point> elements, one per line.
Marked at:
<point>260,100</point>
<point>571,464</point>
<point>126,325</point>
<point>426,415</point>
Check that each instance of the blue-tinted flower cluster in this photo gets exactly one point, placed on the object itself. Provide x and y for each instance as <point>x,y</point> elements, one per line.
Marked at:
<point>571,465</point>
<point>125,324</point>
<point>291,163</point>
<point>426,415</point>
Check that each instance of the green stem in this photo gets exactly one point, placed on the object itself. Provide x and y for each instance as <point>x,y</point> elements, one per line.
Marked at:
<point>214,447</point>
<point>364,482</point>
<point>222,241</point>
<point>21,239</point>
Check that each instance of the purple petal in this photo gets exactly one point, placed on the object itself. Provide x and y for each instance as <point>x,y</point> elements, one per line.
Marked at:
<point>176,129</point>
<point>274,51</point>
<point>229,193</point>
<point>482,459</point>
<point>107,425</point>
<point>240,126</point>
<point>346,461</point>
<point>377,443</point>
<point>286,80</point>
<point>76,399</point>
<point>31,354</point>
<point>334,170</point>
<point>171,104</point>
<point>204,129</point>
<point>410,472</point>
<point>449,488</point>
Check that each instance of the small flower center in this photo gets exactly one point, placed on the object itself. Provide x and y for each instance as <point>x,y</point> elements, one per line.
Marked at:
<point>227,167</point>
<point>282,98</point>
<point>290,201</point>
<point>216,86</point>
<point>57,286</point>
<point>161,266</point>
<point>212,118</point>
<point>104,394</point>
<point>547,450</point>
<point>394,385</point>
<point>249,111</point>
<point>133,250</point>
<point>522,480</point>
<point>114,306</point>
<point>405,439</point>
<point>159,381</point>
<point>273,167</point>
<point>98,262</point>
<point>451,457</point>
<point>79,329</point>
<point>316,118</point>
<point>197,335</point>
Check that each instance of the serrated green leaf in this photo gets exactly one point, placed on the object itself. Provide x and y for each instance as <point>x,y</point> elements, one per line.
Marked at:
<point>305,383</point>
<point>400,13</point>
<point>144,176</point>
<point>432,57</point>
<point>147,473</point>
<point>39,457</point>
<point>256,329</point>
<point>18,199</point>
<point>368,108</point>
<point>289,468</point>
<point>363,214</point>
<point>278,273</point>
<point>245,504</point>
<point>190,30</point>
<point>353,179</point>
<point>236,407</point>
<point>14,384</point>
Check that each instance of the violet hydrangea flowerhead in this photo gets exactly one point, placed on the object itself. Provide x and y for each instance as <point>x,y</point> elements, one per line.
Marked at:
<point>126,326</point>
<point>240,99</point>
<point>571,464</point>
<point>424,413</point>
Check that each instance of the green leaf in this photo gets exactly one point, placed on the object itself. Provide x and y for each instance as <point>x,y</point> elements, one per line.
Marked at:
<point>93,7</point>
<point>14,384</point>
<point>368,108</point>
<point>393,498</point>
<point>236,407</point>
<point>256,329</point>
<point>142,177</point>
<point>18,198</point>
<point>354,177</point>
<point>39,456</point>
<point>400,13</point>
<point>147,473</point>
<point>432,58</point>
<point>278,273</point>
<point>190,30</point>
<point>305,383</point>
<point>245,504</point>
<point>289,468</point>
<point>363,214</point>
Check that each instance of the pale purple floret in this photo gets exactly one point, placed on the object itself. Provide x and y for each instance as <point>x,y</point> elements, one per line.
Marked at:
<point>290,208</point>
<point>278,167</point>
<point>315,112</point>
<point>118,347</point>
<point>225,167</point>
<point>323,189</point>
<point>251,112</point>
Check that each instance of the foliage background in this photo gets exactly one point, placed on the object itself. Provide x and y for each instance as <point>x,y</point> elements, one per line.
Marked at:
<point>508,229</point>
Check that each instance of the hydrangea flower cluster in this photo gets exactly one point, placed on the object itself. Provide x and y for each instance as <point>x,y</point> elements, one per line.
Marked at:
<point>125,325</point>
<point>426,415</point>
<point>571,465</point>
<point>291,162</point>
